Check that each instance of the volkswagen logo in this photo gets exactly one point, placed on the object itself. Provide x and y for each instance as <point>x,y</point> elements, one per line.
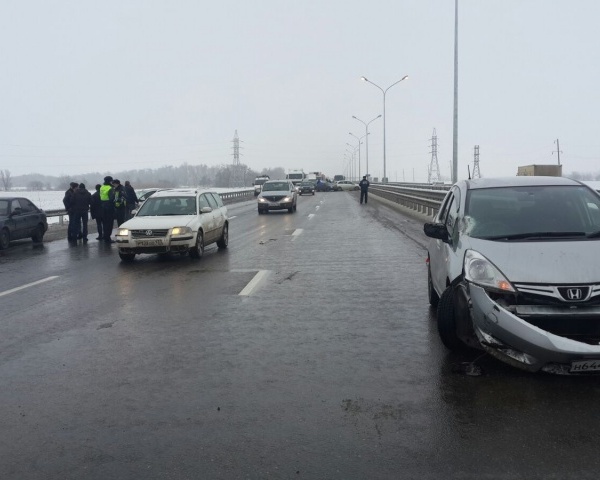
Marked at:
<point>574,294</point>
<point>148,233</point>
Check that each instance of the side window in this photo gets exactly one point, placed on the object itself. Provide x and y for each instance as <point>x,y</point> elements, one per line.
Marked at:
<point>15,207</point>
<point>218,199</point>
<point>453,213</point>
<point>203,202</point>
<point>211,201</point>
<point>444,208</point>
<point>27,206</point>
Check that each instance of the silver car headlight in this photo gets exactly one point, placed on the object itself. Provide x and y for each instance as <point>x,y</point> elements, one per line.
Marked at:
<point>480,271</point>
<point>181,231</point>
<point>261,200</point>
<point>123,232</point>
<point>287,199</point>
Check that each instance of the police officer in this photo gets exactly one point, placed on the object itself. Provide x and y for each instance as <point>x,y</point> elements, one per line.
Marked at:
<point>120,197</point>
<point>364,189</point>
<point>107,198</point>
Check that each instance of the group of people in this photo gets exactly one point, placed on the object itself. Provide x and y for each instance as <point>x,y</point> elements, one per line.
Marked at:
<point>111,201</point>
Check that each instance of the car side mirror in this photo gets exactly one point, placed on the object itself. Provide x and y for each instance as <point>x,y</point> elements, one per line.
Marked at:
<point>205,210</point>
<point>436,230</point>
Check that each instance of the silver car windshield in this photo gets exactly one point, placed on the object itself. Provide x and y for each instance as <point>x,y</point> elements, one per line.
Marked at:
<point>275,187</point>
<point>532,212</point>
<point>163,206</point>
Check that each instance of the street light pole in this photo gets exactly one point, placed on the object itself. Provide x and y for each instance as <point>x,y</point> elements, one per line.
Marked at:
<point>366,124</point>
<point>364,79</point>
<point>359,143</point>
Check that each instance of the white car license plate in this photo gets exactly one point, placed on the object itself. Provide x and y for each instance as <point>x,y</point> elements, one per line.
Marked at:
<point>149,243</point>
<point>581,366</point>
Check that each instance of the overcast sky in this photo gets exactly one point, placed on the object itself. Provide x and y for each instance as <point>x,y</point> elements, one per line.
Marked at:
<point>131,84</point>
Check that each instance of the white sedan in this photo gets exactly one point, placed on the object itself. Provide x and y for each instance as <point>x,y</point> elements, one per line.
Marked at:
<point>346,185</point>
<point>175,220</point>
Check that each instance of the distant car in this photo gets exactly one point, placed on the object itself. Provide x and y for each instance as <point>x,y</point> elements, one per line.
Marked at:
<point>20,218</point>
<point>345,185</point>
<point>146,193</point>
<point>306,187</point>
<point>277,195</point>
<point>324,186</point>
<point>514,270</point>
<point>175,220</point>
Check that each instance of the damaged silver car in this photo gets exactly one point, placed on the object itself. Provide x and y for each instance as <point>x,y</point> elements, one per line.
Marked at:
<point>514,269</point>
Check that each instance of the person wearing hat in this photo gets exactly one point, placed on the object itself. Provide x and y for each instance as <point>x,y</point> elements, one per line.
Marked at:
<point>364,189</point>
<point>120,201</point>
<point>107,198</point>
<point>82,200</point>
<point>72,229</point>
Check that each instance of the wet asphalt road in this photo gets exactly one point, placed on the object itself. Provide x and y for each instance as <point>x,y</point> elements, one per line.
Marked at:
<point>330,369</point>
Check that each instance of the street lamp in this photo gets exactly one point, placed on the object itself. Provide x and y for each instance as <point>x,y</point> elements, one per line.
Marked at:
<point>384,92</point>
<point>359,143</point>
<point>366,124</point>
<point>354,153</point>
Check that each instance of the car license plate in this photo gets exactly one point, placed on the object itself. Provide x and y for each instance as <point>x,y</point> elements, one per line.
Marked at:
<point>149,243</point>
<point>581,366</point>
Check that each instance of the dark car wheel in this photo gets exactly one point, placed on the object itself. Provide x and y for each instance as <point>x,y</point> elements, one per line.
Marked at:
<point>434,298</point>
<point>198,250</point>
<point>127,257</point>
<point>224,240</point>
<point>4,239</point>
<point>446,321</point>
<point>38,234</point>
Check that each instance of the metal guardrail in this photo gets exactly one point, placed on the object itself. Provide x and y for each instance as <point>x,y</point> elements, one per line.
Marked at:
<point>228,198</point>
<point>422,199</point>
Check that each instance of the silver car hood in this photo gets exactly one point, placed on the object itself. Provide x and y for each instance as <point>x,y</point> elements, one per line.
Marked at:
<point>543,262</point>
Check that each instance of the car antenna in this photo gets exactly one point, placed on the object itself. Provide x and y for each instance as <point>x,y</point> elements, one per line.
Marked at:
<point>469,170</point>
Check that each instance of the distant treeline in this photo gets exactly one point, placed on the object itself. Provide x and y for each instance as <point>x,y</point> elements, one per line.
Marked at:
<point>164,177</point>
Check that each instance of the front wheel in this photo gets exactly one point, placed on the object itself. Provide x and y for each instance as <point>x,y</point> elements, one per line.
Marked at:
<point>446,321</point>
<point>4,238</point>
<point>224,240</point>
<point>198,249</point>
<point>127,257</point>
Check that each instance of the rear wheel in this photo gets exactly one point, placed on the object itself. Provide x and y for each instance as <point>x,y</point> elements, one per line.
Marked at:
<point>38,234</point>
<point>224,240</point>
<point>127,257</point>
<point>4,239</point>
<point>446,321</point>
<point>198,249</point>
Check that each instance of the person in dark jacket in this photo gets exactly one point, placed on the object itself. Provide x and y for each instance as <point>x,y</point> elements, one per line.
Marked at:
<point>364,189</point>
<point>120,202</point>
<point>72,229</point>
<point>132,199</point>
<point>81,202</point>
<point>107,198</point>
<point>96,211</point>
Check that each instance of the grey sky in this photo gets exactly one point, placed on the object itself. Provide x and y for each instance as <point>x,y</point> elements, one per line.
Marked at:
<point>112,85</point>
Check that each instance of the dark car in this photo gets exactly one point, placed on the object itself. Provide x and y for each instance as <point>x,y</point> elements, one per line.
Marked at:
<point>306,187</point>
<point>324,186</point>
<point>20,218</point>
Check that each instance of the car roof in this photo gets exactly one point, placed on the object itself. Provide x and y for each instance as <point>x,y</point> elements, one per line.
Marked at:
<point>518,181</point>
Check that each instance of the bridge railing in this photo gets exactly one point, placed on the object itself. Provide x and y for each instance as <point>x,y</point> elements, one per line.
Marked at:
<point>422,199</point>
<point>227,197</point>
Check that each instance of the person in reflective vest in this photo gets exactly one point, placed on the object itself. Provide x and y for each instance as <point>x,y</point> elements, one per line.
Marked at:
<point>107,198</point>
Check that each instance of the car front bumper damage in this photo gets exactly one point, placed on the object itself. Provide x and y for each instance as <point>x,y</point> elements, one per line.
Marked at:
<point>513,340</point>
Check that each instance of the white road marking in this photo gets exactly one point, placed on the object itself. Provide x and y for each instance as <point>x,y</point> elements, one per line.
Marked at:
<point>310,215</point>
<point>231,218</point>
<point>252,284</point>
<point>22,287</point>
<point>297,232</point>
<point>317,207</point>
